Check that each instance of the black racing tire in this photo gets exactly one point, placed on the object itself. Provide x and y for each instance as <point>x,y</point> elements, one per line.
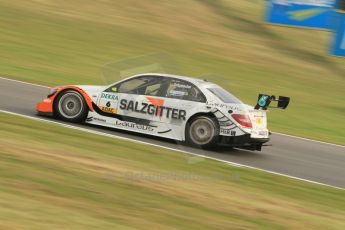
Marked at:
<point>202,131</point>
<point>70,106</point>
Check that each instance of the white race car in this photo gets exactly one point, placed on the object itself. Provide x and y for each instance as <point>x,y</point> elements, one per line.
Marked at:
<point>176,107</point>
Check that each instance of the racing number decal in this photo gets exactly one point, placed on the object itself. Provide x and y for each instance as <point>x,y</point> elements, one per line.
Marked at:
<point>108,102</point>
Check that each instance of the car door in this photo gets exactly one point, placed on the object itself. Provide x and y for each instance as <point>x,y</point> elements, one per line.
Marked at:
<point>127,91</point>
<point>180,100</point>
<point>134,105</point>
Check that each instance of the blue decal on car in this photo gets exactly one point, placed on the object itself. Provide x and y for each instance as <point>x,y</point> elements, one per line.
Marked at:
<point>263,100</point>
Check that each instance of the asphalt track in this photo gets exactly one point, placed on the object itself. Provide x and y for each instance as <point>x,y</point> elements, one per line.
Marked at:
<point>296,157</point>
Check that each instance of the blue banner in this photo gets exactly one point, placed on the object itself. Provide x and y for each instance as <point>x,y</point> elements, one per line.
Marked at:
<point>306,13</point>
<point>338,46</point>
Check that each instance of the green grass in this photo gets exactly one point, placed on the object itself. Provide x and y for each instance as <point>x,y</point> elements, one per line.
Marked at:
<point>57,178</point>
<point>69,42</point>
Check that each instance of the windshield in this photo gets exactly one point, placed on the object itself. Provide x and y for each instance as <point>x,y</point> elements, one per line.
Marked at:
<point>225,96</point>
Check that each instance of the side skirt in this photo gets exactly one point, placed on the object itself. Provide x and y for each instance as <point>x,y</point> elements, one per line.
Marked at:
<point>154,129</point>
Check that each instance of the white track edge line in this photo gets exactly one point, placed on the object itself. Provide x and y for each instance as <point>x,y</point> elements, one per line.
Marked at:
<point>307,139</point>
<point>282,134</point>
<point>172,149</point>
<point>23,82</point>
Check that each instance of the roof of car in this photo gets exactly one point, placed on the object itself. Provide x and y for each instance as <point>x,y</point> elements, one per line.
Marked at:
<point>195,81</point>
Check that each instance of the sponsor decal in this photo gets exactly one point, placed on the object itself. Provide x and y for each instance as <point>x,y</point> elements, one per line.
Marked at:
<point>95,119</point>
<point>226,106</point>
<point>228,132</point>
<point>176,93</point>
<point>263,133</point>
<point>258,120</point>
<point>99,119</point>
<point>107,109</point>
<point>134,126</point>
<point>262,101</point>
<point>109,96</point>
<point>182,86</point>
<point>301,15</point>
<point>321,3</point>
<point>156,108</point>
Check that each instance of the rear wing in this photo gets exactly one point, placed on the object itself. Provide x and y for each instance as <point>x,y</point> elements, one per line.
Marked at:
<point>265,100</point>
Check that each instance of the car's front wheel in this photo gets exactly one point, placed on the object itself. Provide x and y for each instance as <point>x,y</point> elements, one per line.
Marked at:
<point>70,106</point>
<point>202,131</point>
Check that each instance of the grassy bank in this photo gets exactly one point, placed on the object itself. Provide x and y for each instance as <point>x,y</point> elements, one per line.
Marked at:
<point>69,42</point>
<point>56,178</point>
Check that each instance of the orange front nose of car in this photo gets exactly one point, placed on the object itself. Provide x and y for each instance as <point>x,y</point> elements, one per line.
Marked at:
<point>46,106</point>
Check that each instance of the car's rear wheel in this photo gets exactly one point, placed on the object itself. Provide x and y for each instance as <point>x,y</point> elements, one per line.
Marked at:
<point>202,131</point>
<point>71,106</point>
